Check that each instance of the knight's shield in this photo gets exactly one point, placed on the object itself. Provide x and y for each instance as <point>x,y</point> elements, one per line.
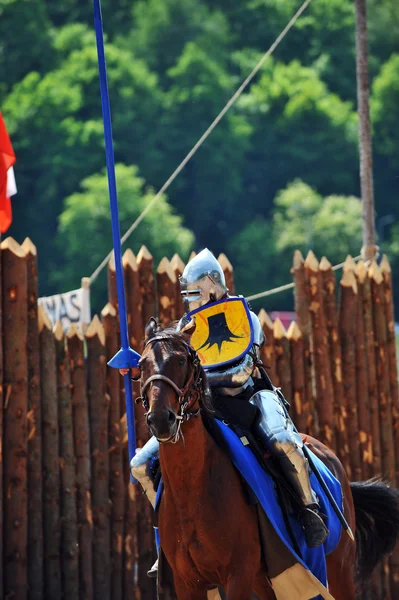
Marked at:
<point>224,332</point>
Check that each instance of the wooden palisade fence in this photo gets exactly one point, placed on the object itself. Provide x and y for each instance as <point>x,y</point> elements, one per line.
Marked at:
<point>71,524</point>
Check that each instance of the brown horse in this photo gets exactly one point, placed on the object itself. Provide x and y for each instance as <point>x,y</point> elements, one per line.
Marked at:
<point>208,530</point>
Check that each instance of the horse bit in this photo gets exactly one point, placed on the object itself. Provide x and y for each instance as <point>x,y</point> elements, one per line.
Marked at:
<point>185,394</point>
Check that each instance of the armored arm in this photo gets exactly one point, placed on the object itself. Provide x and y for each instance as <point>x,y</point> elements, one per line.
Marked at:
<point>239,373</point>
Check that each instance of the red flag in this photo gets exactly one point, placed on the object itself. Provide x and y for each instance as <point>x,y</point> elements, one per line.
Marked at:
<point>7,159</point>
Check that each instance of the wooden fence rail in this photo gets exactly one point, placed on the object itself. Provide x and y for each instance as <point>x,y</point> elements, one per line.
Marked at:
<point>71,524</point>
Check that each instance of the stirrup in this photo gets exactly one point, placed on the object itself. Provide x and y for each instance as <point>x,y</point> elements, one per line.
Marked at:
<point>314,528</point>
<point>153,572</point>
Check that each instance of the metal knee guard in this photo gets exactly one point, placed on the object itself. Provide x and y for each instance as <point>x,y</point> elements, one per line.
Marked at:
<point>275,430</point>
<point>139,467</point>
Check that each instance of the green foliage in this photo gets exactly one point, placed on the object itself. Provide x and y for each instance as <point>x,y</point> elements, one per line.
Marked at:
<point>84,234</point>
<point>162,29</point>
<point>302,219</point>
<point>172,66</point>
<point>384,111</point>
<point>385,101</point>
<point>25,41</point>
<point>56,128</point>
<point>299,129</point>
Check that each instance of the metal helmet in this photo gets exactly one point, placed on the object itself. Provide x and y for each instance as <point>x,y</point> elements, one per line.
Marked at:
<point>202,281</point>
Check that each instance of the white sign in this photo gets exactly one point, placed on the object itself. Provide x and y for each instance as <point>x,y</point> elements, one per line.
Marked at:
<point>71,307</point>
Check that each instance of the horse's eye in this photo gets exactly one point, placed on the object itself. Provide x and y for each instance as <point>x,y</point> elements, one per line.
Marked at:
<point>182,361</point>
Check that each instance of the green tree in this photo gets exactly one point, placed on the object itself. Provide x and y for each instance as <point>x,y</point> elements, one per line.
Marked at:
<point>55,124</point>
<point>116,14</point>
<point>300,130</point>
<point>384,111</point>
<point>257,266</point>
<point>161,31</point>
<point>330,226</point>
<point>25,41</point>
<point>84,232</point>
<point>209,193</point>
<point>304,220</point>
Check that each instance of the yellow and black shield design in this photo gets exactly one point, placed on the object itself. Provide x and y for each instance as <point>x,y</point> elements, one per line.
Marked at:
<point>223,332</point>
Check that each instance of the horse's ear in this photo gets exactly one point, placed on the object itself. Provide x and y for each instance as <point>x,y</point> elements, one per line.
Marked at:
<point>151,328</point>
<point>189,329</point>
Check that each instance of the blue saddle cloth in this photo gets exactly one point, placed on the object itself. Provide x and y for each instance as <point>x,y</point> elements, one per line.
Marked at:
<point>263,487</point>
<point>262,484</point>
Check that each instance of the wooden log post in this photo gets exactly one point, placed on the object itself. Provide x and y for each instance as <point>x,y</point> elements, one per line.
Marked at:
<point>328,282</point>
<point>132,565</point>
<point>391,351</point>
<point>98,412</point>
<point>283,366</point>
<point>15,437</point>
<point>81,432</point>
<point>322,368</point>
<point>364,287</point>
<point>362,388</point>
<point>300,412</point>
<point>382,367</point>
<point>347,330</point>
<point>116,479</point>
<point>178,268</point>
<point>35,483</point>
<point>69,520</point>
<point>134,304</point>
<point>50,459</point>
<point>362,395</point>
<point>393,385</point>
<point>111,279</point>
<point>134,301</point>
<point>166,286</point>
<point>138,512</point>
<point>305,325</point>
<point>147,283</point>
<point>349,264</point>
<point>267,352</point>
<point>228,273</point>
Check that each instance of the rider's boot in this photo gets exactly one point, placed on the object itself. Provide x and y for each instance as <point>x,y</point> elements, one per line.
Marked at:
<point>139,466</point>
<point>153,572</point>
<point>275,431</point>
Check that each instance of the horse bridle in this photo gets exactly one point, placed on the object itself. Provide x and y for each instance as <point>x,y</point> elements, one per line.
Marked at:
<point>187,395</point>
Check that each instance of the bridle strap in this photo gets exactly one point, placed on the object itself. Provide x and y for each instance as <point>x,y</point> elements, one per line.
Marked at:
<point>159,377</point>
<point>191,386</point>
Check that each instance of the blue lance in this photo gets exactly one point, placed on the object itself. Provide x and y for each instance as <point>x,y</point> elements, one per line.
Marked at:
<point>126,357</point>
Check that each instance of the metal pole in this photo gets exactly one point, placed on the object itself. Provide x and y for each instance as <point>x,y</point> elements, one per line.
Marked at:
<point>369,250</point>
<point>126,357</point>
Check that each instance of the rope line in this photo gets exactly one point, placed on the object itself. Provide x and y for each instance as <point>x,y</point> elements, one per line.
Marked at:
<point>289,286</point>
<point>204,136</point>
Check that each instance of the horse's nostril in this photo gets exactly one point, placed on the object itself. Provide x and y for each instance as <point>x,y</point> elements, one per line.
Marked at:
<point>171,416</point>
<point>150,418</point>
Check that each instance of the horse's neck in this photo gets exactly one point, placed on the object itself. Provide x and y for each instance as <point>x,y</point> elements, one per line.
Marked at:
<point>185,465</point>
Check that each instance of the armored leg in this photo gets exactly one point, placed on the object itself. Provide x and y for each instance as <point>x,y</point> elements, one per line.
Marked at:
<point>276,432</point>
<point>139,466</point>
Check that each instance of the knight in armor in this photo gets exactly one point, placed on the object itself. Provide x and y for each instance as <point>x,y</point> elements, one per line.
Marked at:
<point>243,397</point>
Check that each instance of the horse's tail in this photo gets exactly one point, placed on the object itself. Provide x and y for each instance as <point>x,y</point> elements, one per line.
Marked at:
<point>377,523</point>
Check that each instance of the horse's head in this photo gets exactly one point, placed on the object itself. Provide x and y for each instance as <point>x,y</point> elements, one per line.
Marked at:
<point>171,379</point>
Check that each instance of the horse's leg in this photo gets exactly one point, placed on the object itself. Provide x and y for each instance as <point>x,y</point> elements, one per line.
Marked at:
<point>263,588</point>
<point>239,587</point>
<point>341,583</point>
<point>185,593</point>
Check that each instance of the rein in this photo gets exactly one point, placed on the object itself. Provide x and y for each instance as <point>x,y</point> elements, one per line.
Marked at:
<point>185,395</point>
